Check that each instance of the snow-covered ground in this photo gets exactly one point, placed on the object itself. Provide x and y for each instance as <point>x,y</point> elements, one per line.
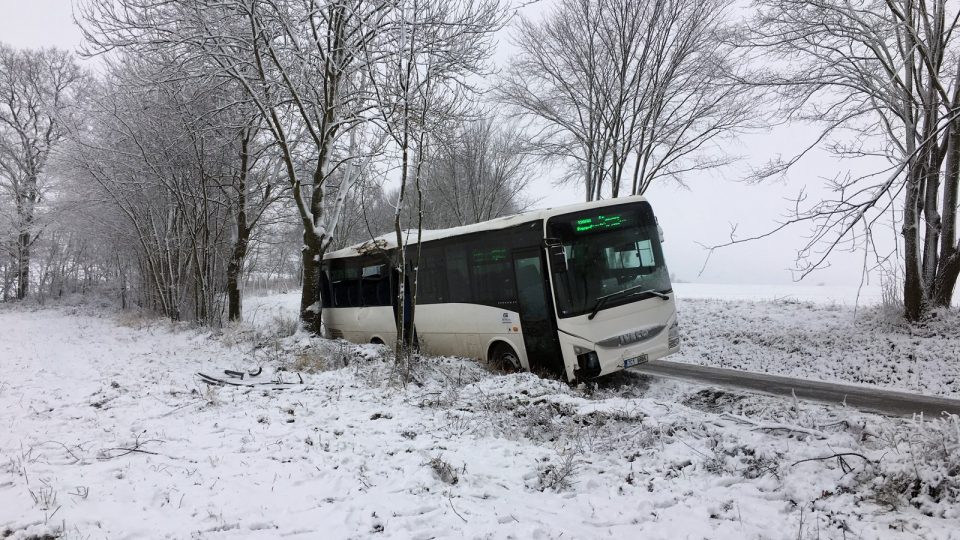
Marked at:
<point>267,310</point>
<point>824,341</point>
<point>108,433</point>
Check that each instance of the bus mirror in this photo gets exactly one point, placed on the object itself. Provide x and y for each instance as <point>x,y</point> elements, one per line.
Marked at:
<point>558,258</point>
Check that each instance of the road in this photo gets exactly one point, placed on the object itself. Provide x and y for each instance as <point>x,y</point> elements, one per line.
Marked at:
<point>861,397</point>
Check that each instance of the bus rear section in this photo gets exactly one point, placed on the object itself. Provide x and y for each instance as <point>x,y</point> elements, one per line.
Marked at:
<point>467,301</point>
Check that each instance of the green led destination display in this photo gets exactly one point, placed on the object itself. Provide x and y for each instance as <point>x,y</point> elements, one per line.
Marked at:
<point>603,222</point>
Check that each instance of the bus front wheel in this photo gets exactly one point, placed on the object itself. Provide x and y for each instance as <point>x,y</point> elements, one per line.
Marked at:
<point>504,358</point>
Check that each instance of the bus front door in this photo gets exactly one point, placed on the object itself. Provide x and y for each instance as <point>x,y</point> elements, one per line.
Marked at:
<point>539,328</point>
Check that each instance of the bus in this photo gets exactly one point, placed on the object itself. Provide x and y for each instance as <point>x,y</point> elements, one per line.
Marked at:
<point>580,291</point>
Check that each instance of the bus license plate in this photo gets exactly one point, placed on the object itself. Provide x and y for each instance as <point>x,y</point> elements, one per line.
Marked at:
<point>635,361</point>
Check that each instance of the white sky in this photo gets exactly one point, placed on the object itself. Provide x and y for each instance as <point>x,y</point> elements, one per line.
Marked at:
<point>38,23</point>
<point>704,213</point>
<point>701,214</point>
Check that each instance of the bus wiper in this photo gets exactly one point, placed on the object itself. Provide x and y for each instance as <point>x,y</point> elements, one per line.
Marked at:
<point>603,299</point>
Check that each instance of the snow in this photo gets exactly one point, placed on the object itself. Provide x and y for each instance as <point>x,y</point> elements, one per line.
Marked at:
<point>459,452</point>
<point>847,295</point>
<point>822,341</point>
<point>266,310</point>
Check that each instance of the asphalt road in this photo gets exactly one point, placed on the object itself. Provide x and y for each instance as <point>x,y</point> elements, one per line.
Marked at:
<point>860,397</point>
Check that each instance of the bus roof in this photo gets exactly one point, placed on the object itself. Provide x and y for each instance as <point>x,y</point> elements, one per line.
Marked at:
<point>389,240</point>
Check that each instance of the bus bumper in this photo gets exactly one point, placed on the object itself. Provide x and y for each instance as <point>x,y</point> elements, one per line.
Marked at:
<point>585,360</point>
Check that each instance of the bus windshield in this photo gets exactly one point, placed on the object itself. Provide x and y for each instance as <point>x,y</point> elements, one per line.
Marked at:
<point>613,258</point>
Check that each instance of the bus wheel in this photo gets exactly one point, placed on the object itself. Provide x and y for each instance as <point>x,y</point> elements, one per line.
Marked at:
<point>376,341</point>
<point>504,358</point>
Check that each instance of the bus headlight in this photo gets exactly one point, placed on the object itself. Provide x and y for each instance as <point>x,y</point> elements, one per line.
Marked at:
<point>673,338</point>
<point>588,363</point>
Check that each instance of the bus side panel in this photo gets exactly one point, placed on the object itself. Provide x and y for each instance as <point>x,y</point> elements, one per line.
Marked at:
<point>361,325</point>
<point>467,330</point>
<point>376,322</point>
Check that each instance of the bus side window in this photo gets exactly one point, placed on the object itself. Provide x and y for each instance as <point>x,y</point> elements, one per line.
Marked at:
<point>458,277</point>
<point>530,289</point>
<point>345,282</point>
<point>384,295</point>
<point>493,279</point>
<point>326,295</point>
<point>374,282</point>
<point>431,279</point>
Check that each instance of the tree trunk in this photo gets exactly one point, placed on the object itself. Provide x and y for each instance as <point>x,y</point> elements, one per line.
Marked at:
<point>310,291</point>
<point>235,266</point>
<point>946,280</point>
<point>122,277</point>
<point>26,202</point>
<point>913,298</point>
<point>402,292</point>
<point>23,265</point>
<point>932,228</point>
<point>234,271</point>
<point>949,265</point>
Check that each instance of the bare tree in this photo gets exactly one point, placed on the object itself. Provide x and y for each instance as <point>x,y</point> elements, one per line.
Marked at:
<point>81,251</point>
<point>478,173</point>
<point>38,90</point>
<point>273,262</point>
<point>8,246</point>
<point>628,92</point>
<point>176,162</point>
<point>421,85</point>
<point>247,180</point>
<point>886,72</point>
<point>300,63</point>
<point>370,213</point>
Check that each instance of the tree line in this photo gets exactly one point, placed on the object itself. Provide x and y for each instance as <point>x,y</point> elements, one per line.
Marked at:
<point>223,143</point>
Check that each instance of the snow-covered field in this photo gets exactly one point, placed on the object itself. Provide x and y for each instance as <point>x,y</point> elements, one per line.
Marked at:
<point>825,341</point>
<point>263,311</point>
<point>845,295</point>
<point>108,433</point>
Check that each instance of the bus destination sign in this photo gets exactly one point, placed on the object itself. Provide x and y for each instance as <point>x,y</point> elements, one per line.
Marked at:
<point>600,223</point>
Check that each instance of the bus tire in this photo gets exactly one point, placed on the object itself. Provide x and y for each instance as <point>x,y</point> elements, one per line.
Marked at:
<point>377,341</point>
<point>504,358</point>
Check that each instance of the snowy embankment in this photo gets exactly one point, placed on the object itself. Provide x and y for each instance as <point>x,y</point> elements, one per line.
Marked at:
<point>797,333</point>
<point>108,433</point>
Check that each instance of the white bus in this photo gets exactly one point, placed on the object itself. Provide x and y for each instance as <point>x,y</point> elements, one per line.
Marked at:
<point>581,290</point>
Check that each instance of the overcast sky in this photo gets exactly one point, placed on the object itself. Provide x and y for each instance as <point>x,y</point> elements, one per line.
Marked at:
<point>701,214</point>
